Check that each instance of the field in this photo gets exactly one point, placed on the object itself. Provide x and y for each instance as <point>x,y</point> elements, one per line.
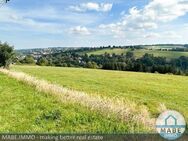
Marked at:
<point>23,109</point>
<point>26,109</point>
<point>139,53</point>
<point>146,89</point>
<point>110,51</point>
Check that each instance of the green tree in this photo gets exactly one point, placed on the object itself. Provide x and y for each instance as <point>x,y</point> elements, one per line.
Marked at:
<point>6,55</point>
<point>29,60</point>
<point>42,62</point>
<point>130,55</point>
<point>92,65</point>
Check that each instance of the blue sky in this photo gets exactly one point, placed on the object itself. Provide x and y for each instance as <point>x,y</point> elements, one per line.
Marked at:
<point>81,23</point>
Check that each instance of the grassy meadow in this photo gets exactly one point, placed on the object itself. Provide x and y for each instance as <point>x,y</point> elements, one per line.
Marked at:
<point>146,89</point>
<point>140,52</point>
<point>23,109</point>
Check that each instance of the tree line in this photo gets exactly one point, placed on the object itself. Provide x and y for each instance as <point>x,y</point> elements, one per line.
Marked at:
<point>123,62</point>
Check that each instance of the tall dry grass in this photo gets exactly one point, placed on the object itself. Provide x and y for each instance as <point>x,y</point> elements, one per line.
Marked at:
<point>124,110</point>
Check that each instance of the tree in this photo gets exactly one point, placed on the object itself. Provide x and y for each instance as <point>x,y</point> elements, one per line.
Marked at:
<point>6,55</point>
<point>42,62</point>
<point>92,65</point>
<point>29,60</point>
<point>130,55</point>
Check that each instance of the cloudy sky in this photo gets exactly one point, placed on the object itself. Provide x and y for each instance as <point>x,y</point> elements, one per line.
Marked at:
<point>48,23</point>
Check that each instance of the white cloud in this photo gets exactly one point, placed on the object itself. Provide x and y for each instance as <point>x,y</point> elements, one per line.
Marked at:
<point>46,20</point>
<point>171,34</point>
<point>164,35</point>
<point>152,35</point>
<point>116,30</point>
<point>91,6</point>
<point>122,13</point>
<point>165,10</point>
<point>157,12</point>
<point>81,30</point>
<point>11,16</point>
<point>60,15</point>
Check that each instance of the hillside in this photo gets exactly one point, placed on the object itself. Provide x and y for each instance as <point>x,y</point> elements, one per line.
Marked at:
<point>23,109</point>
<point>140,52</point>
<point>146,89</point>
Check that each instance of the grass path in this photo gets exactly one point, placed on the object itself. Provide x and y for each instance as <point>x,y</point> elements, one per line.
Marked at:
<point>124,110</point>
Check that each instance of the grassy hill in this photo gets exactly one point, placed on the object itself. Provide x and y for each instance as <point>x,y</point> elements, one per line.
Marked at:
<point>146,89</point>
<point>23,109</point>
<point>141,52</point>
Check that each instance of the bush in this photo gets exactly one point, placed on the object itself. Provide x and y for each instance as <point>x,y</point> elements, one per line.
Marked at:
<point>28,60</point>
<point>6,55</point>
<point>42,62</point>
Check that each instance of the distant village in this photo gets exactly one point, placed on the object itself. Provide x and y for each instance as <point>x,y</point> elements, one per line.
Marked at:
<point>39,52</point>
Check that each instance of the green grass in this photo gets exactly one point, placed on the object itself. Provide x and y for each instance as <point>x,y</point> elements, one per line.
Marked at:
<point>110,51</point>
<point>23,109</point>
<point>140,52</point>
<point>144,88</point>
<point>157,53</point>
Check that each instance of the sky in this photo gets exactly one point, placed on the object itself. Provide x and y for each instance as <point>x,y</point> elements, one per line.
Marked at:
<point>93,23</point>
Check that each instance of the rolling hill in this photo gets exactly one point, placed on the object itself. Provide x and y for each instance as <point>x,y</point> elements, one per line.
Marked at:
<point>146,89</point>
<point>140,52</point>
<point>41,110</point>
